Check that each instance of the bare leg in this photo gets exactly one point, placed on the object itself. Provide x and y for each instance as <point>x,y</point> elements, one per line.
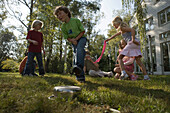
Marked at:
<point>124,75</point>
<point>121,64</point>
<point>142,67</point>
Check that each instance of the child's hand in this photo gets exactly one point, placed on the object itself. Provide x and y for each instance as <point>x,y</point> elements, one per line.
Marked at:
<point>74,41</point>
<point>116,65</point>
<point>107,40</point>
<point>135,42</point>
<point>43,52</point>
<point>35,42</point>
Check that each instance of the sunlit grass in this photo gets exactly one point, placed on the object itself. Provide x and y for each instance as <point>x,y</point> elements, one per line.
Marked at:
<point>30,94</point>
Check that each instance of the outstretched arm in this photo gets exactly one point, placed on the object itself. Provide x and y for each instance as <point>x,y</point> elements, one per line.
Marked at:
<point>113,36</point>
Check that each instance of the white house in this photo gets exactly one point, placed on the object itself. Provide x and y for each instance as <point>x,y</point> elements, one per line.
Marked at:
<point>157,26</point>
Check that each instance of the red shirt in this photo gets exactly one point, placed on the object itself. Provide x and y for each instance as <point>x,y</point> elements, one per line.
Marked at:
<point>37,36</point>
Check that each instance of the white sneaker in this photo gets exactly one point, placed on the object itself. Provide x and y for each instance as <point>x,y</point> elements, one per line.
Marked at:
<point>146,77</point>
<point>124,76</point>
<point>110,74</point>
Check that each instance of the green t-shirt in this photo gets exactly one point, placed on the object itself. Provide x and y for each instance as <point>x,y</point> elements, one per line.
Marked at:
<point>72,29</point>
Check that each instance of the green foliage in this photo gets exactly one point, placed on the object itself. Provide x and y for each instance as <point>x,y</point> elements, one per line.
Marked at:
<point>56,65</point>
<point>10,65</point>
<point>30,94</point>
<point>8,46</point>
<point>3,12</point>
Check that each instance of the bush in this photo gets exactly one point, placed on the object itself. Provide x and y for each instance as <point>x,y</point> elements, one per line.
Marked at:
<point>10,65</point>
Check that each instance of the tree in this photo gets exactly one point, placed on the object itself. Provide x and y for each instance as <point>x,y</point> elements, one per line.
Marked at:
<point>8,44</point>
<point>2,13</point>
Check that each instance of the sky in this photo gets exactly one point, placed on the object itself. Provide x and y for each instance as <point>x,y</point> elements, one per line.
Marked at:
<point>107,6</point>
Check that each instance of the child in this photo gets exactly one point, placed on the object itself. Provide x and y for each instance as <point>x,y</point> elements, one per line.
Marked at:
<point>35,39</point>
<point>128,63</point>
<point>22,65</point>
<point>73,31</point>
<point>131,49</point>
<point>93,68</point>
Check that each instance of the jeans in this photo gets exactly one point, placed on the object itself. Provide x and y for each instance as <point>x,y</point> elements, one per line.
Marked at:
<point>79,54</point>
<point>34,65</point>
<point>29,69</point>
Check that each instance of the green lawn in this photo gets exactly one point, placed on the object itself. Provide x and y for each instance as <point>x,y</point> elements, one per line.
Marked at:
<point>98,95</point>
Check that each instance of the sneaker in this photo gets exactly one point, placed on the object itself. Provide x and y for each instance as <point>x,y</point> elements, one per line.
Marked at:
<point>77,70</point>
<point>42,75</point>
<point>146,77</point>
<point>34,74</point>
<point>25,74</point>
<point>132,77</point>
<point>81,80</point>
<point>31,75</point>
<point>124,76</point>
<point>117,76</point>
<point>110,74</point>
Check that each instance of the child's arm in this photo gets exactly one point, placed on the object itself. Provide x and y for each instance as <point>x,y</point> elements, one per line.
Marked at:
<point>74,40</point>
<point>43,48</point>
<point>84,69</point>
<point>33,41</point>
<point>113,36</point>
<point>80,35</point>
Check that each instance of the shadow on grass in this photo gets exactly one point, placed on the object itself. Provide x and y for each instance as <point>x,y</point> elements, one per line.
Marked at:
<point>57,79</point>
<point>135,89</point>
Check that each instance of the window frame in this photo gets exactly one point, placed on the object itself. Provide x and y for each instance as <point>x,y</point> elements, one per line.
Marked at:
<point>166,16</point>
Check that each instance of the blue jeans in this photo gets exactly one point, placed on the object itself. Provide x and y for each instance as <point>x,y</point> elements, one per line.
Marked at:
<point>29,69</point>
<point>79,54</point>
<point>34,65</point>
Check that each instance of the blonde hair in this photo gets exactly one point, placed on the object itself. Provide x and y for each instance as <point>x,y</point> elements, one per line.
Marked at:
<point>36,22</point>
<point>118,20</point>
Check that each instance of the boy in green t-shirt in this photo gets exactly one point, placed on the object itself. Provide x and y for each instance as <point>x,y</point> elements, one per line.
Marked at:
<point>73,31</point>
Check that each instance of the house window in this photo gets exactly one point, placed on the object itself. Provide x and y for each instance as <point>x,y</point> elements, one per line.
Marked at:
<point>168,14</point>
<point>148,60</point>
<point>149,24</point>
<point>164,16</point>
<point>164,35</point>
<point>166,55</point>
<point>154,58</point>
<point>152,40</point>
